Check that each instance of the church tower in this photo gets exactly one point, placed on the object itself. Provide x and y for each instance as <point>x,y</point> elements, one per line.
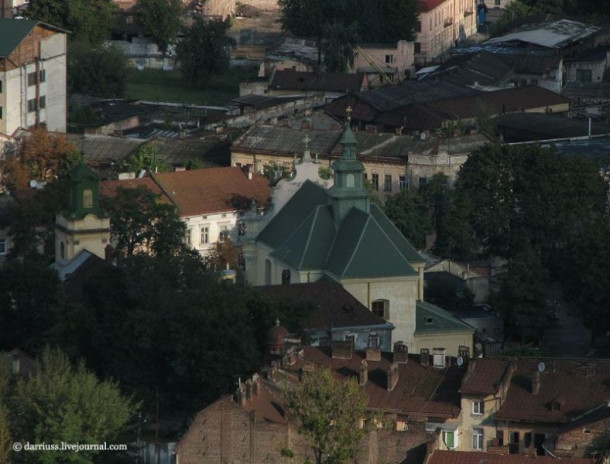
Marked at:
<point>348,190</point>
<point>82,226</point>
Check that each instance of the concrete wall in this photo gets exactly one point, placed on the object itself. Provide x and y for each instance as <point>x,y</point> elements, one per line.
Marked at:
<point>597,69</point>
<point>215,223</point>
<point>400,58</point>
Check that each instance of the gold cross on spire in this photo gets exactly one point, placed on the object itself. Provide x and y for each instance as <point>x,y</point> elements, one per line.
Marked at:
<point>348,110</point>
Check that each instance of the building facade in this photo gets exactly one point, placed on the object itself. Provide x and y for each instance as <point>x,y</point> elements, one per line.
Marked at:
<point>32,76</point>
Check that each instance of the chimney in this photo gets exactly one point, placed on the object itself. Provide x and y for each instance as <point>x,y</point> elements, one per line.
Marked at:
<point>363,373</point>
<point>249,389</point>
<point>424,355</point>
<point>401,353</point>
<point>256,386</point>
<point>392,376</point>
<point>536,383</point>
<point>341,349</point>
<point>373,354</point>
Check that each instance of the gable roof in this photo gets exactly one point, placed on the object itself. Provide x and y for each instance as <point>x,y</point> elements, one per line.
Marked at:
<point>333,306</point>
<point>14,31</point>
<point>212,190</point>
<point>303,235</point>
<point>109,188</point>
<point>432,319</point>
<point>561,378</point>
<point>420,390</point>
<point>485,375</point>
<point>555,34</point>
<point>289,79</point>
<point>478,457</point>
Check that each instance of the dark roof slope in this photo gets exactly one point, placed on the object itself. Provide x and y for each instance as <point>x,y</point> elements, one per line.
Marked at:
<point>478,457</point>
<point>12,32</point>
<point>484,376</point>
<point>289,79</point>
<point>333,306</point>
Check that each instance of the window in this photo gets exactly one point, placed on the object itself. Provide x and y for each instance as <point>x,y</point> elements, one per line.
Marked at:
<point>62,250</point>
<point>583,75</point>
<point>224,232</point>
<point>375,181</point>
<point>381,308</point>
<point>0,112</point>
<point>87,198</point>
<point>42,75</point>
<point>497,2</point>
<point>373,341</point>
<point>417,47</point>
<point>423,181</point>
<point>0,86</point>
<point>187,237</point>
<point>449,439</point>
<point>285,276</point>
<point>241,229</point>
<point>351,338</point>
<point>428,320</point>
<point>402,182</point>
<point>31,79</point>
<point>32,105</point>
<point>418,26</point>
<point>389,59</point>
<point>477,439</point>
<point>387,183</point>
<point>3,246</point>
<point>205,235</point>
<point>42,102</point>
<point>477,407</point>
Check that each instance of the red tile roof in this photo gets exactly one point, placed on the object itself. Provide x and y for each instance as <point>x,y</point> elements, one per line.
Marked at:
<point>109,187</point>
<point>420,391</point>
<point>429,5</point>
<point>484,376</point>
<point>577,385</point>
<point>477,457</point>
<point>212,190</point>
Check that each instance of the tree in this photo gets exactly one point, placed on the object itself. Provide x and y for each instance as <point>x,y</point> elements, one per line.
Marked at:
<point>146,158</point>
<point>61,402</point>
<point>223,255</point>
<point>161,20</point>
<point>87,20</point>
<point>329,412</point>
<point>141,222</point>
<point>409,212</point>
<point>99,70</point>
<point>204,51</point>
<point>338,46</point>
<point>42,156</point>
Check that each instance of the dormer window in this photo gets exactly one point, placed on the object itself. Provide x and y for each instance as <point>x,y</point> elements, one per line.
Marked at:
<point>87,198</point>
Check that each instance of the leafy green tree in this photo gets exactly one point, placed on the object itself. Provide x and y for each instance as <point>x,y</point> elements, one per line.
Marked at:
<point>6,442</point>
<point>99,70</point>
<point>161,20</point>
<point>146,158</point>
<point>328,412</point>
<point>30,298</point>
<point>204,51</point>
<point>141,222</point>
<point>61,402</point>
<point>87,20</point>
<point>338,46</point>
<point>409,212</point>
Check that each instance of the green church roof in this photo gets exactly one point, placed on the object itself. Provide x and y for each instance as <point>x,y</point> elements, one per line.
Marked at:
<point>432,319</point>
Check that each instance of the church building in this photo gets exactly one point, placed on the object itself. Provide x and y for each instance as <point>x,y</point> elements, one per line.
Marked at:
<point>338,234</point>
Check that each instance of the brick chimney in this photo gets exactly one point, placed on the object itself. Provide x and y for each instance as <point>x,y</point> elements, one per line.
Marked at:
<point>392,376</point>
<point>401,353</point>
<point>373,354</point>
<point>363,373</point>
<point>341,349</point>
<point>536,382</point>
<point>424,356</point>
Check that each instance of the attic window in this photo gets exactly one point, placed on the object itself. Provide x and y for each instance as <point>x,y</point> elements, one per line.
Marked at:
<point>429,320</point>
<point>87,198</point>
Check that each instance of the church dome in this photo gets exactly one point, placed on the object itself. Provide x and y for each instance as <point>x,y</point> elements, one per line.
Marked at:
<point>275,336</point>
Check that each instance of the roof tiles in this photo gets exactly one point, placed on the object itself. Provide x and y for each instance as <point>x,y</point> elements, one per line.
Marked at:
<point>477,457</point>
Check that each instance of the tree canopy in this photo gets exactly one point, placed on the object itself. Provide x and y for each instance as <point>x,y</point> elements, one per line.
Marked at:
<point>161,20</point>
<point>87,20</point>
<point>329,413</point>
<point>204,51</point>
<point>99,70</point>
<point>140,221</point>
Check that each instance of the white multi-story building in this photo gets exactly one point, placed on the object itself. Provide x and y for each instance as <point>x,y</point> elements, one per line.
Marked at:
<point>32,76</point>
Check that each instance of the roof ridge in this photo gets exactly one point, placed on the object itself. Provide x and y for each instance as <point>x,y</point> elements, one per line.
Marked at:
<point>315,212</point>
<point>440,311</point>
<point>366,223</point>
<point>392,241</point>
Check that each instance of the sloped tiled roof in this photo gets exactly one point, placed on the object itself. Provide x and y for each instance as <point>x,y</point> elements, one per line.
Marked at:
<point>109,188</point>
<point>558,383</point>
<point>432,319</point>
<point>429,5</point>
<point>333,306</point>
<point>485,375</point>
<point>478,457</point>
<point>420,390</point>
<point>212,190</point>
<point>289,79</point>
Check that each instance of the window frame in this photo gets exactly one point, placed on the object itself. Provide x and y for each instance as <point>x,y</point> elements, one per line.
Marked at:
<point>478,435</point>
<point>3,246</point>
<point>387,183</point>
<point>478,407</point>
<point>204,231</point>
<point>375,181</point>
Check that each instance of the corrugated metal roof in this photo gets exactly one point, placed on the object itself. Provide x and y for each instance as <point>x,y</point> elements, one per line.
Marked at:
<point>550,35</point>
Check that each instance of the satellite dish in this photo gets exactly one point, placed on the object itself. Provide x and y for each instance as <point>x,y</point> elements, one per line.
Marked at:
<point>541,366</point>
<point>33,184</point>
<point>422,136</point>
<point>460,361</point>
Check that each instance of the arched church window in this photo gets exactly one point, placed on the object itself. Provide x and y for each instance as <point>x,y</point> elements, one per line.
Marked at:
<point>87,198</point>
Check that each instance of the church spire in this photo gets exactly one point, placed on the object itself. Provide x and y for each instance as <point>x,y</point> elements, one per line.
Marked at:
<point>348,139</point>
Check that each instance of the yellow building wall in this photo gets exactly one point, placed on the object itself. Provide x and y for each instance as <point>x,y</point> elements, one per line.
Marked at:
<point>450,341</point>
